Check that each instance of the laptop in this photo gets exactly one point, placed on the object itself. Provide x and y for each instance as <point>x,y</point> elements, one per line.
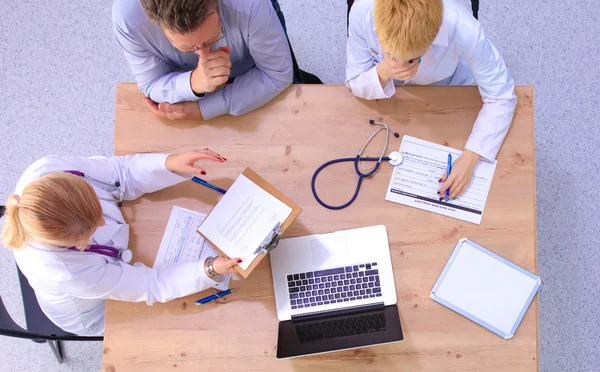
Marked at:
<point>334,292</point>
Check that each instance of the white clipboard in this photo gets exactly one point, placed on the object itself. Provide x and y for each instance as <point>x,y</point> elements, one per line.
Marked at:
<point>485,288</point>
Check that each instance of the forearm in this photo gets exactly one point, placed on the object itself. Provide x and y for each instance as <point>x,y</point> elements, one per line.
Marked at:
<point>491,126</point>
<point>248,92</point>
<point>368,85</point>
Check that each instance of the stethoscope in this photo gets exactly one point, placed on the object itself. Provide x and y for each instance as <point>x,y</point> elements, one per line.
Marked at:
<point>116,185</point>
<point>106,250</point>
<point>394,158</point>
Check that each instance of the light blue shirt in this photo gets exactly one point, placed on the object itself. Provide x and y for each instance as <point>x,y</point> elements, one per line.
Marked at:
<point>261,62</point>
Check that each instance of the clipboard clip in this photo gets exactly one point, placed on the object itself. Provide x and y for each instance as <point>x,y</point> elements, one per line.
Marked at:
<point>271,241</point>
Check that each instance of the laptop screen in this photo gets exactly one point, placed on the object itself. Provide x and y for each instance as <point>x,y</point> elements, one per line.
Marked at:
<point>338,332</point>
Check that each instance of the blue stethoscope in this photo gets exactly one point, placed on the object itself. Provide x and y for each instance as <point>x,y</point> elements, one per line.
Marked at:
<point>394,158</point>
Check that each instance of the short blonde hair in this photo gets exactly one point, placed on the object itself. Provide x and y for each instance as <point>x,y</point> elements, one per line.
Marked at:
<point>407,26</point>
<point>60,209</point>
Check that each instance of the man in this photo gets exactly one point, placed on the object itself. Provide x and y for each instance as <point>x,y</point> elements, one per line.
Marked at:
<point>432,42</point>
<point>183,52</point>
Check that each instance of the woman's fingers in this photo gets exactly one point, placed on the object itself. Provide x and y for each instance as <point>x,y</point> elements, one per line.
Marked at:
<point>212,153</point>
<point>194,156</point>
<point>447,184</point>
<point>234,262</point>
<point>443,178</point>
<point>458,190</point>
<point>190,169</point>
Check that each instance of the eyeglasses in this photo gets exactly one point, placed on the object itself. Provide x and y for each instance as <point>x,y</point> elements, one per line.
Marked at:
<point>203,46</point>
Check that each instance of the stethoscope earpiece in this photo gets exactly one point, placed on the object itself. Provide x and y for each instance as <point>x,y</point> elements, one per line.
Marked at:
<point>116,185</point>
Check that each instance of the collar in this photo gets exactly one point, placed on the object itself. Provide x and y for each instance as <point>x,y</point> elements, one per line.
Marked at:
<point>441,40</point>
<point>442,36</point>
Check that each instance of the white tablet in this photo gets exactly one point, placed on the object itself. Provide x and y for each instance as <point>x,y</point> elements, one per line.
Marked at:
<point>484,287</point>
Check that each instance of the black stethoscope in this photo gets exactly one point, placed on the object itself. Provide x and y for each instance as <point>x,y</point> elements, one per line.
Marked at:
<point>394,158</point>
<point>116,185</point>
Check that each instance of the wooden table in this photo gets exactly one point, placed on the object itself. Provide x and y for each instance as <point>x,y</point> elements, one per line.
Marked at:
<point>285,142</point>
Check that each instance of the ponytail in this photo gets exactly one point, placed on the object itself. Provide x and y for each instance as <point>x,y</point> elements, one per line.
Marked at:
<point>13,233</point>
<point>57,209</point>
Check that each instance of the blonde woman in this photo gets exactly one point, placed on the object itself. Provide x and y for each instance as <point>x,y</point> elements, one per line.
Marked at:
<point>397,42</point>
<point>70,239</point>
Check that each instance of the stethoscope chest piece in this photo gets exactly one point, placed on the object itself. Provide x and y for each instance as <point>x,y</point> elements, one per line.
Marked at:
<point>126,255</point>
<point>395,158</point>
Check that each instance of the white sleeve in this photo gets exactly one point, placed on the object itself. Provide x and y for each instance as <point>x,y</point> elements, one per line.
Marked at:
<point>137,174</point>
<point>361,71</point>
<point>496,87</point>
<point>137,283</point>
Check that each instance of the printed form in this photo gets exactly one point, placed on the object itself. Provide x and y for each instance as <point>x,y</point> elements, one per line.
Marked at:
<point>181,242</point>
<point>415,181</point>
<point>242,219</point>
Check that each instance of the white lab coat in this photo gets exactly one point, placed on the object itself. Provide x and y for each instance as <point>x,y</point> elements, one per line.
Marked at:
<point>72,286</point>
<point>459,55</point>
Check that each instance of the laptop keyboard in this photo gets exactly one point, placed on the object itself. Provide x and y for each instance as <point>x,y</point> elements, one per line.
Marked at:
<point>359,325</point>
<point>341,284</point>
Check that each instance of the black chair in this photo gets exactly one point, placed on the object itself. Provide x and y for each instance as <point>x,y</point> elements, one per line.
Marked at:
<point>474,8</point>
<point>300,76</point>
<point>39,328</point>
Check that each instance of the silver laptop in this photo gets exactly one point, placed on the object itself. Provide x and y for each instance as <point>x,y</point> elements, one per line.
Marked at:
<point>334,291</point>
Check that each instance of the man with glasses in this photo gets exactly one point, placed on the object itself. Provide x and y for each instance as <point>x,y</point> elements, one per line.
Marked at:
<point>182,53</point>
<point>398,42</point>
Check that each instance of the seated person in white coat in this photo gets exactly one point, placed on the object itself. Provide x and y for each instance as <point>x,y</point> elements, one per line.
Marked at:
<point>54,216</point>
<point>397,42</point>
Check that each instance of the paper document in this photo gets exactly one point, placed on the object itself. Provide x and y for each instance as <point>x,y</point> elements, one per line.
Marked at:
<point>242,220</point>
<point>181,242</point>
<point>415,181</point>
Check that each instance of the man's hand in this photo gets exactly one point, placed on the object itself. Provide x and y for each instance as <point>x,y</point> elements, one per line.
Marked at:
<point>212,71</point>
<point>399,70</point>
<point>175,111</point>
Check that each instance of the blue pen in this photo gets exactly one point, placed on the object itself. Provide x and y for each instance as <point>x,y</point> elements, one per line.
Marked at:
<point>202,182</point>
<point>213,297</point>
<point>448,174</point>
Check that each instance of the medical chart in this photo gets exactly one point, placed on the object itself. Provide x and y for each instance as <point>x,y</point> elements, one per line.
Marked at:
<point>242,219</point>
<point>181,242</point>
<point>415,181</point>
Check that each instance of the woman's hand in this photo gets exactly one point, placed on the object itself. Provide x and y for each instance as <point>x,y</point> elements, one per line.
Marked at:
<point>223,265</point>
<point>399,70</point>
<point>460,176</point>
<point>186,162</point>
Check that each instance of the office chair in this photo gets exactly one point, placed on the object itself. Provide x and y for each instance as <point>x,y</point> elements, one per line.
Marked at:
<point>474,8</point>
<point>39,328</point>
<point>300,76</point>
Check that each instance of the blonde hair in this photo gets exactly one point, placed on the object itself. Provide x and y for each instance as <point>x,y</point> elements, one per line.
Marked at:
<point>60,209</point>
<point>407,26</point>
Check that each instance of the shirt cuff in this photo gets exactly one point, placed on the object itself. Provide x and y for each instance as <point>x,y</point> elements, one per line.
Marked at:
<point>213,105</point>
<point>367,86</point>
<point>156,164</point>
<point>183,87</point>
<point>389,89</point>
<point>377,91</point>
<point>479,150</point>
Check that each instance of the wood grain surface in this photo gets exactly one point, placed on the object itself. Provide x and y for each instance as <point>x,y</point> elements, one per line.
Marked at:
<point>285,142</point>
